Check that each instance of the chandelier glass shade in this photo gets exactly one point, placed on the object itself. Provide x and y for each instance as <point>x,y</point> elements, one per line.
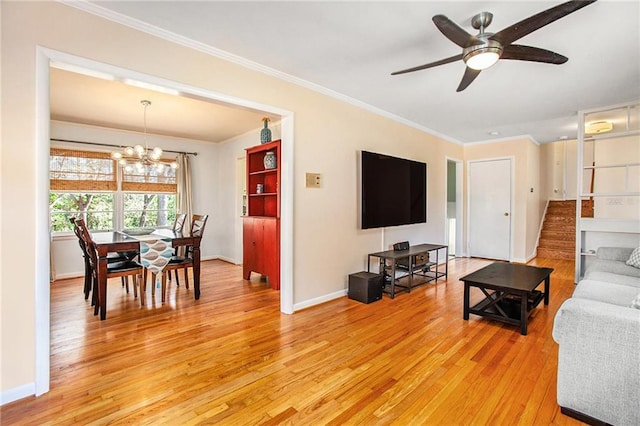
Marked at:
<point>140,158</point>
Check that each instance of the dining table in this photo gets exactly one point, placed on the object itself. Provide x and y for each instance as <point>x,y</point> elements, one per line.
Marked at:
<point>122,242</point>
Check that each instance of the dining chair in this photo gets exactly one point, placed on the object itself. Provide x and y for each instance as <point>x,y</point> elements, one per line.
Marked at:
<point>111,257</point>
<point>115,269</point>
<point>179,222</point>
<point>178,225</point>
<point>198,223</point>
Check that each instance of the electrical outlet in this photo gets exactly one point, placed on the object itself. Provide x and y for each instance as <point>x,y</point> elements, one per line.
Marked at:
<point>313,180</point>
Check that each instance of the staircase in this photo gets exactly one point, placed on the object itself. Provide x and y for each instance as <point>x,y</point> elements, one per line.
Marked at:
<point>558,237</point>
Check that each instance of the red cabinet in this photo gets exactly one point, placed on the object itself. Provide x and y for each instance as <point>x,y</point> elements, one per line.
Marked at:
<point>261,247</point>
<point>261,228</point>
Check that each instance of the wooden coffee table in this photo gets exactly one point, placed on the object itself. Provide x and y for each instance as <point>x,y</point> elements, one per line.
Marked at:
<point>514,292</point>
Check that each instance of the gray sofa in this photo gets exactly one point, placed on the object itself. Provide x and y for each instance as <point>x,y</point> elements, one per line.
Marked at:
<point>598,331</point>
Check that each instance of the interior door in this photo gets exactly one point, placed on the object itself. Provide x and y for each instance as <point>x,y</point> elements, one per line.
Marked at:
<point>490,209</point>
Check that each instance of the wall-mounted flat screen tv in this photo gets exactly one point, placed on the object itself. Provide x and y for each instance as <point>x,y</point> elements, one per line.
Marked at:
<point>394,191</point>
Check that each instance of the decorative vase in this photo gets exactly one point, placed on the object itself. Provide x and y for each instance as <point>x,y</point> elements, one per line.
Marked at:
<point>265,133</point>
<point>270,160</point>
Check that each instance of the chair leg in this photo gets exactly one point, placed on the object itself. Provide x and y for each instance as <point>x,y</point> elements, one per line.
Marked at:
<point>186,278</point>
<point>143,287</point>
<point>94,298</point>
<point>175,271</point>
<point>87,279</point>
<point>135,286</point>
<point>153,284</point>
<point>164,286</point>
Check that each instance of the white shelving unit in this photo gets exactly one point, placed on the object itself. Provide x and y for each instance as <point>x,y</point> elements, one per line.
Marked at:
<point>608,174</point>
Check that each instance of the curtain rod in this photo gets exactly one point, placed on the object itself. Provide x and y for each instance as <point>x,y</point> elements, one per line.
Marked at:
<point>119,146</point>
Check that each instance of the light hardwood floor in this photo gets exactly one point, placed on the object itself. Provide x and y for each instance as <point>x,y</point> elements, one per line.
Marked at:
<point>233,358</point>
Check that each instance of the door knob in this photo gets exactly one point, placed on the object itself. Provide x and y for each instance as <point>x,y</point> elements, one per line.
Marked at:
<point>506,213</point>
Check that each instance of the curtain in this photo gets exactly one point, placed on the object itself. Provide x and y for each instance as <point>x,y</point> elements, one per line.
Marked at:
<point>185,202</point>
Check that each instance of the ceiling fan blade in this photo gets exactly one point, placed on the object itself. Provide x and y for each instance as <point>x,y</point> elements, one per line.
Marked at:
<point>430,65</point>
<point>539,20</point>
<point>453,32</point>
<point>534,54</point>
<point>469,75</point>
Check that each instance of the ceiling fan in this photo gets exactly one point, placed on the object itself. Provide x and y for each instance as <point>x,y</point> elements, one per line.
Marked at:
<point>481,51</point>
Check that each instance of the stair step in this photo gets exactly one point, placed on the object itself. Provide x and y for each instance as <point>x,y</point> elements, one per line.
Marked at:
<point>555,254</point>
<point>559,227</point>
<point>565,219</point>
<point>563,244</point>
<point>557,239</point>
<point>547,234</point>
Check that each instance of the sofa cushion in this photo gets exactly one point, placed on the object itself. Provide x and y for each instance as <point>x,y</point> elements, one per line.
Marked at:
<point>634,259</point>
<point>614,253</point>
<point>613,278</point>
<point>613,266</point>
<point>615,294</point>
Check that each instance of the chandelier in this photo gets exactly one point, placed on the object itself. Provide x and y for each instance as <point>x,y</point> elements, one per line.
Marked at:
<point>141,158</point>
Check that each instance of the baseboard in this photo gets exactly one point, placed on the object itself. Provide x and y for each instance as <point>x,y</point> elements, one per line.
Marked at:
<point>223,258</point>
<point>17,393</point>
<point>318,300</point>
<point>582,417</point>
<point>69,275</point>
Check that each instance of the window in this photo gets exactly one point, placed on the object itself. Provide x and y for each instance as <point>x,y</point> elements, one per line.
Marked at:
<point>96,207</point>
<point>149,210</point>
<point>85,183</point>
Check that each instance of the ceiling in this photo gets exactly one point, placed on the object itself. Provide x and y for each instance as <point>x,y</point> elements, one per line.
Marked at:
<point>79,98</point>
<point>349,48</point>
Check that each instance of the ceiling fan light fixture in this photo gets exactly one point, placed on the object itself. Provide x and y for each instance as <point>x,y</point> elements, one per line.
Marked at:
<point>596,127</point>
<point>482,56</point>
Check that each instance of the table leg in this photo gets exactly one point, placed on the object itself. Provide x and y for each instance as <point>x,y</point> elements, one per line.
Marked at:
<point>101,305</point>
<point>547,285</point>
<point>411,261</point>
<point>196,271</point>
<point>465,312</point>
<point>446,262</point>
<point>393,279</point>
<point>523,314</point>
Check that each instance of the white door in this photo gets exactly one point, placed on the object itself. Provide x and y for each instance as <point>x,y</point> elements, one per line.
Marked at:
<point>490,209</point>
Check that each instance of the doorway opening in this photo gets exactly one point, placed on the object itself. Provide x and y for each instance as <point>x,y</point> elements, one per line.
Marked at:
<point>453,215</point>
<point>44,60</point>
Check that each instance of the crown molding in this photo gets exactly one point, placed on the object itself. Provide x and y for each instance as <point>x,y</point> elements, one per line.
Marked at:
<point>153,30</point>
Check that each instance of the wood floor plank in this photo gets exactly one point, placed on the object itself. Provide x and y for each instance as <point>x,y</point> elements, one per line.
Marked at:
<point>232,358</point>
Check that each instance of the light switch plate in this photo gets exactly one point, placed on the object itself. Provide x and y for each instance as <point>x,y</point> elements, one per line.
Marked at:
<point>313,180</point>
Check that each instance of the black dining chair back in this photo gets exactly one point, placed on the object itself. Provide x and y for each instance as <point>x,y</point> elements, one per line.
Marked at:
<point>85,257</point>
<point>122,267</point>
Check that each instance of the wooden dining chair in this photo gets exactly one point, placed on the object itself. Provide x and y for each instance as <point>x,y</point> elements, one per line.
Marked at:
<point>111,257</point>
<point>121,268</point>
<point>198,223</point>
<point>178,226</point>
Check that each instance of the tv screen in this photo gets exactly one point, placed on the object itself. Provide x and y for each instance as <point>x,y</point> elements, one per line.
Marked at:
<point>394,191</point>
